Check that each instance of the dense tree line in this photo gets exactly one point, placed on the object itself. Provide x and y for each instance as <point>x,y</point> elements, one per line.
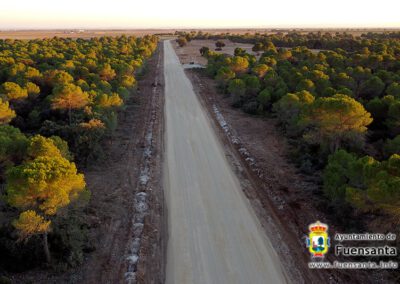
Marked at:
<point>58,101</point>
<point>312,40</point>
<point>340,107</point>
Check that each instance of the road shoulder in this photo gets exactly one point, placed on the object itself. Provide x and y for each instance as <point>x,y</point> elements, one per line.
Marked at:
<point>278,193</point>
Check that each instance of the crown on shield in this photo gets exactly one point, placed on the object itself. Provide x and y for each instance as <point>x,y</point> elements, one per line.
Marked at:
<point>318,227</point>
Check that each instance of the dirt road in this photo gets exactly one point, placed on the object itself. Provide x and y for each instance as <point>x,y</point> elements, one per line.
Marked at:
<point>214,236</point>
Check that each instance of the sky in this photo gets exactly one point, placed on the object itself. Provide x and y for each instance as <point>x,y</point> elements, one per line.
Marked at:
<point>45,14</point>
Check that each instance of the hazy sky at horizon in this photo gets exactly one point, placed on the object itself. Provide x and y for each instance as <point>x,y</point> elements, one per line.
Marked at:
<point>37,14</point>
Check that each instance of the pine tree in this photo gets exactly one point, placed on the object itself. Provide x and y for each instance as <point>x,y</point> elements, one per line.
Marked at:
<point>6,114</point>
<point>41,186</point>
<point>69,97</point>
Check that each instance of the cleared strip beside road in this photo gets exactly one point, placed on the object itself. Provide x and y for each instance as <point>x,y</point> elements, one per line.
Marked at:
<point>214,236</point>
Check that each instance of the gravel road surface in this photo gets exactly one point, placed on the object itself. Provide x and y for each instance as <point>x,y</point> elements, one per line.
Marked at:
<point>214,235</point>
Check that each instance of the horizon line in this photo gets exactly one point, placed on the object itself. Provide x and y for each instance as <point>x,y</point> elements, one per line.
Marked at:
<point>199,28</point>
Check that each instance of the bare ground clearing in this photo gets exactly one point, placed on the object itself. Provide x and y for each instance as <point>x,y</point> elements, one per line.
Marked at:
<point>191,52</point>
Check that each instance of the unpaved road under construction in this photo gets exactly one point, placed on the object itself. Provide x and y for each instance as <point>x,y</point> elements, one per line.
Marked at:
<point>214,235</point>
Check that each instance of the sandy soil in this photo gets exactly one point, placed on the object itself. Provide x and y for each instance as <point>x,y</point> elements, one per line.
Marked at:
<point>191,52</point>
<point>214,235</point>
<point>285,201</point>
<point>258,153</point>
<point>132,244</point>
<point>152,252</point>
<point>116,187</point>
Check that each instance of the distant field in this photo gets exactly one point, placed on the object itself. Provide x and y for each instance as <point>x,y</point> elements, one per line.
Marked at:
<point>31,34</point>
<point>76,33</point>
<point>191,53</point>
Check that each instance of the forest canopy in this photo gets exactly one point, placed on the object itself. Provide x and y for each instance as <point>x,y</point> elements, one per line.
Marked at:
<point>336,96</point>
<point>59,100</point>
